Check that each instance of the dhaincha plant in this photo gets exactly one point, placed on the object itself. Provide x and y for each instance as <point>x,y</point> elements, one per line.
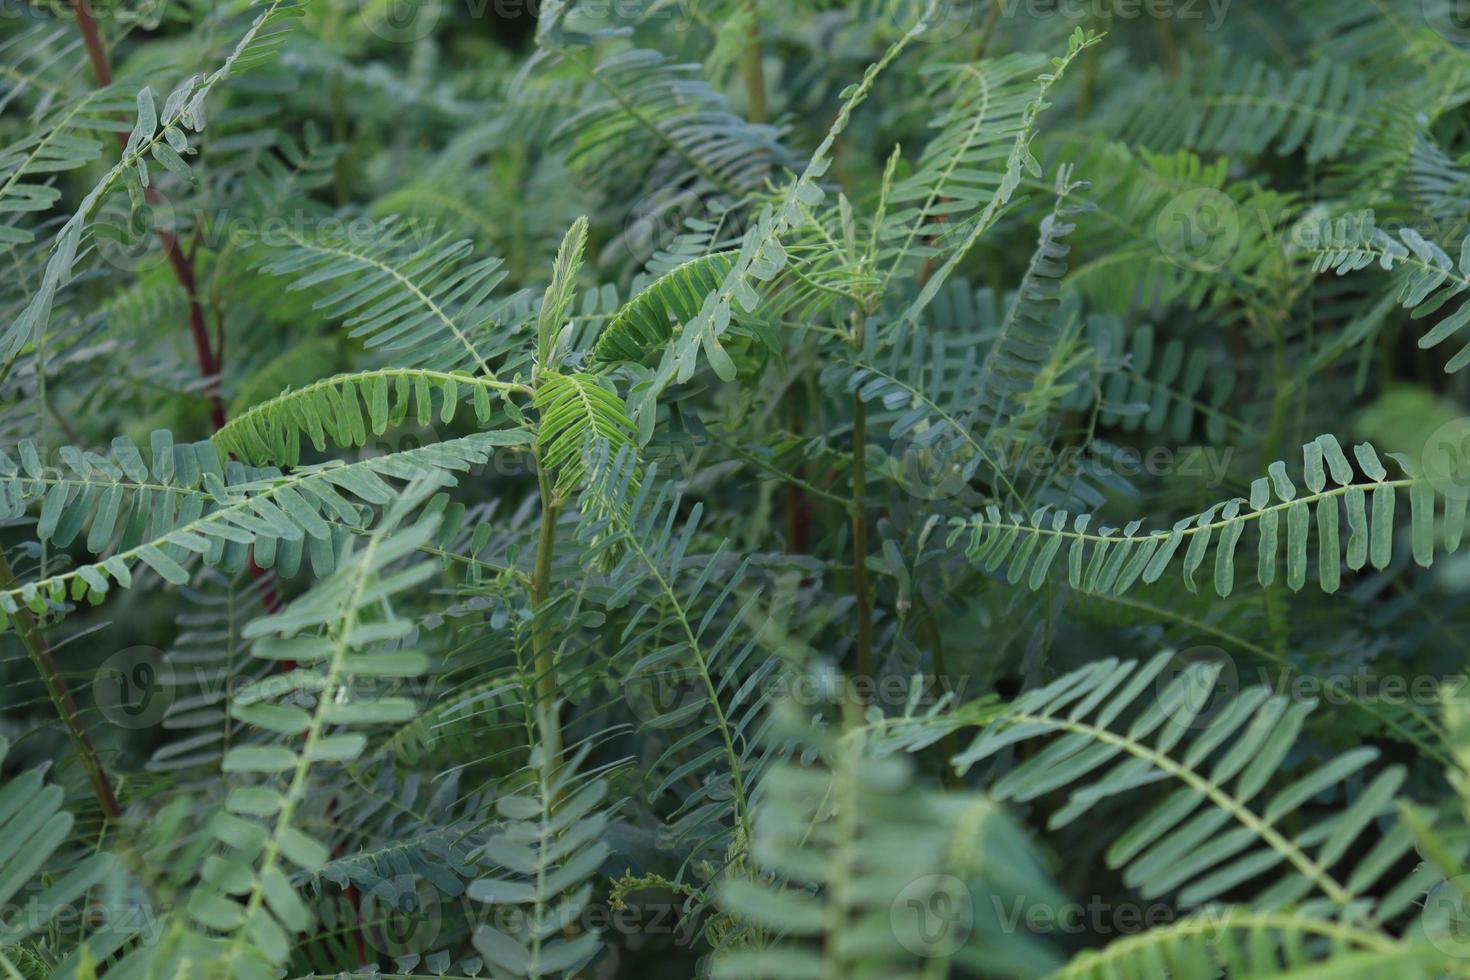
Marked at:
<point>734,489</point>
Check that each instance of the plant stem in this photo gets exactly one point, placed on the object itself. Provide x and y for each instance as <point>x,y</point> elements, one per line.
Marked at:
<point>1280,403</point>
<point>545,656</point>
<point>1168,48</point>
<point>752,69</point>
<point>950,744</point>
<point>39,652</point>
<point>92,39</point>
<point>860,519</point>
<point>987,29</point>
<point>1089,81</point>
<point>798,510</point>
<point>182,265</point>
<point>183,268</point>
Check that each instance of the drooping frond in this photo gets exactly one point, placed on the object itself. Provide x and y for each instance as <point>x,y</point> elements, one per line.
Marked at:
<point>984,114</point>
<point>815,276</point>
<point>1031,326</point>
<point>646,322</point>
<point>340,635</point>
<point>1107,560</point>
<point>1018,160</point>
<point>160,135</point>
<point>72,136</point>
<point>1241,942</point>
<point>348,409</point>
<point>426,841</point>
<point>1159,391</point>
<point>35,829</point>
<point>546,850</point>
<point>963,399</point>
<point>1175,229</point>
<point>1119,727</point>
<point>187,504</point>
<point>641,105</point>
<point>1428,278</point>
<point>208,660</point>
<point>855,860</point>
<point>699,606</point>
<point>410,294</point>
<point>1237,105</point>
<point>761,257</point>
<point>578,412</point>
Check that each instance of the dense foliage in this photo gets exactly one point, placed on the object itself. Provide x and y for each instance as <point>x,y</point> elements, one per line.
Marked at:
<point>667,488</point>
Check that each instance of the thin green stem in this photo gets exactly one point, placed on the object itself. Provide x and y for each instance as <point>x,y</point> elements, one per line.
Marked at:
<point>545,655</point>
<point>1261,826</point>
<point>858,510</point>
<point>751,68</point>
<point>34,641</point>
<point>1193,529</point>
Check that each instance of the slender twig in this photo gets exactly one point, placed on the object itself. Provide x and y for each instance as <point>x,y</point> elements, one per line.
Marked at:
<point>545,655</point>
<point>1168,47</point>
<point>860,518</point>
<point>39,651</point>
<point>183,268</point>
<point>182,265</point>
<point>987,29</point>
<point>751,67</point>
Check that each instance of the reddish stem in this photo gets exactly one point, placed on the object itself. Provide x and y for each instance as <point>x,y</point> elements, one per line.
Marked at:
<point>182,265</point>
